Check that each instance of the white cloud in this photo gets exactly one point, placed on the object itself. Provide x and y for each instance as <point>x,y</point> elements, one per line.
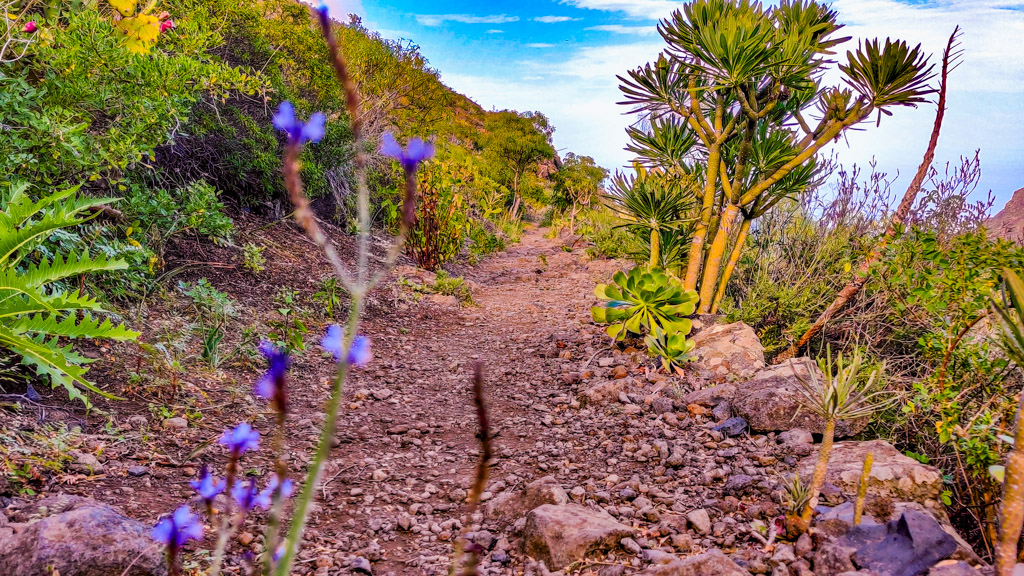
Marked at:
<point>620,29</point>
<point>439,19</point>
<point>647,9</point>
<point>539,45</point>
<point>554,19</point>
<point>495,31</point>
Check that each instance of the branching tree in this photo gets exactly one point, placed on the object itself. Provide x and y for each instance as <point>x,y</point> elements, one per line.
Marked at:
<point>737,101</point>
<point>577,182</point>
<point>514,145</point>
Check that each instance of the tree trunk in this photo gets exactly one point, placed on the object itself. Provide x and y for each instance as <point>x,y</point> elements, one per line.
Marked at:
<point>898,218</point>
<point>818,480</point>
<point>741,239</point>
<point>696,256</point>
<point>716,254</point>
<point>515,207</point>
<point>655,247</point>
<point>1012,511</point>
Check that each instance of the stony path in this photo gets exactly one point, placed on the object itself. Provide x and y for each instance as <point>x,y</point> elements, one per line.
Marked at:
<point>409,448</point>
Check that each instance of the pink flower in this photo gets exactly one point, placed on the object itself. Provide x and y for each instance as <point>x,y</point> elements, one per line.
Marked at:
<point>164,15</point>
<point>30,27</point>
<point>166,25</point>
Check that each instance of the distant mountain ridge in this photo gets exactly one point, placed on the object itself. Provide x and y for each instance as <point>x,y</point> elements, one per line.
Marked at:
<point>1009,222</point>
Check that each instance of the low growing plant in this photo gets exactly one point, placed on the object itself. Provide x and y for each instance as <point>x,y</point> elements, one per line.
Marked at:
<point>642,300</point>
<point>673,348</point>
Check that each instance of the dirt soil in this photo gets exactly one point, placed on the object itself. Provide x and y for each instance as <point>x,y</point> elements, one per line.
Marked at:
<point>395,486</point>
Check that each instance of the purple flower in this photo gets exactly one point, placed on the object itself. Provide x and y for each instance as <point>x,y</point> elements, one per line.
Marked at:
<point>271,386</point>
<point>415,152</point>
<point>181,527</point>
<point>360,355</point>
<point>240,439</point>
<point>30,27</point>
<point>207,486</point>
<point>334,342</point>
<point>248,496</point>
<point>286,488</point>
<point>299,132</point>
<point>323,12</point>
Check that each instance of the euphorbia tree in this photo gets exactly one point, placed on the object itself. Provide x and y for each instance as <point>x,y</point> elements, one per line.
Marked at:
<point>737,100</point>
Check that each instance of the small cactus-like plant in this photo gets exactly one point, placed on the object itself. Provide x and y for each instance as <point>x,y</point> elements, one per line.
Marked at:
<point>642,299</point>
<point>862,488</point>
<point>674,349</point>
<point>842,395</point>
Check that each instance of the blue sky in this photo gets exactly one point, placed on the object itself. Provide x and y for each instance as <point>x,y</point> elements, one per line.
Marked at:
<point>561,57</point>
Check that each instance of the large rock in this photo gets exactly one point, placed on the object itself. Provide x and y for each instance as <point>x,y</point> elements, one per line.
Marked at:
<point>510,505</point>
<point>728,352</point>
<point>770,401</point>
<point>893,475</point>
<point>908,546</point>
<point>561,535</point>
<point>76,536</point>
<point>709,563</point>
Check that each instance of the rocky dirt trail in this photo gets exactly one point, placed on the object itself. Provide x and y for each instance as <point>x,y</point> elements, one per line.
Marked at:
<point>603,465</point>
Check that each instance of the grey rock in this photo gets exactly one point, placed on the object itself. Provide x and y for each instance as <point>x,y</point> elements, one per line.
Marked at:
<point>361,565</point>
<point>630,545</point>
<point>662,405</point>
<point>770,401</point>
<point>722,411</point>
<point>138,471</point>
<point>727,351</point>
<point>177,423</point>
<point>893,474</point>
<point>561,535</point>
<point>795,437</point>
<point>909,546</point>
<point>737,483</point>
<point>700,520</point>
<point>509,505</point>
<point>732,427</point>
<point>78,537</point>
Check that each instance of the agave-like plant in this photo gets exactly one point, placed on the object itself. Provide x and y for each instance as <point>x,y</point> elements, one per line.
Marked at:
<point>844,394</point>
<point>1011,516</point>
<point>642,300</point>
<point>673,348</point>
<point>37,316</point>
<point>653,202</point>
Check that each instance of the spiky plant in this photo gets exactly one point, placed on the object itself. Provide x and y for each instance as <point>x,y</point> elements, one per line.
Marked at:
<point>843,395</point>
<point>37,314</point>
<point>652,203</point>
<point>1011,516</point>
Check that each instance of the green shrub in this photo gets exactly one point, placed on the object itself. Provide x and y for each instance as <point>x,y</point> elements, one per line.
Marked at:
<point>252,257</point>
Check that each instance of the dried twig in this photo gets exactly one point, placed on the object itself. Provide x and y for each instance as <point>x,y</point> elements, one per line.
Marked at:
<point>480,481</point>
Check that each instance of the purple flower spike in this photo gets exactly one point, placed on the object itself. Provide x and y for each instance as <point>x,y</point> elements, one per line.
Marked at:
<point>299,132</point>
<point>334,342</point>
<point>207,486</point>
<point>248,496</point>
<point>416,151</point>
<point>360,355</point>
<point>240,439</point>
<point>323,12</point>
<point>271,386</point>
<point>181,527</point>
<point>286,488</point>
